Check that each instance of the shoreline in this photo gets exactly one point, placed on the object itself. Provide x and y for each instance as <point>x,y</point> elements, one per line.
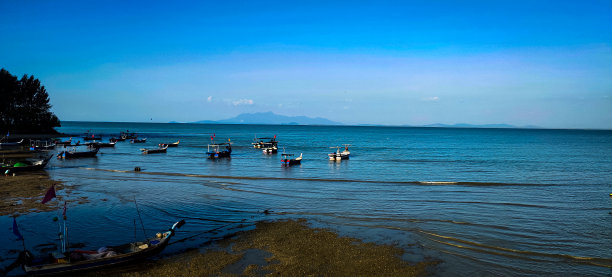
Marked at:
<point>22,194</point>
<point>284,247</point>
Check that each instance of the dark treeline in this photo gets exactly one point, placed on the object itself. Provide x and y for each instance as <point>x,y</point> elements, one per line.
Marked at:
<point>24,106</point>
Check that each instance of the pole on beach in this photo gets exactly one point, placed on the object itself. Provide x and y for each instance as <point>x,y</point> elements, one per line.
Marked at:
<point>141,224</point>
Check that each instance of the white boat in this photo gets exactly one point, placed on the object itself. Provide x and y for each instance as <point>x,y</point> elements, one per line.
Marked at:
<point>337,156</point>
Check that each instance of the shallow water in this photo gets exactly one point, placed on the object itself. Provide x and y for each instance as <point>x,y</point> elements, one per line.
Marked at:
<point>484,201</point>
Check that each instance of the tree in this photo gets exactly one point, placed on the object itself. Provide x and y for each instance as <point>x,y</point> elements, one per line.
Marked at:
<point>24,105</point>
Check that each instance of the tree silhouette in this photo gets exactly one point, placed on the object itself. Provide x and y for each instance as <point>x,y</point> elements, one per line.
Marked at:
<point>24,105</point>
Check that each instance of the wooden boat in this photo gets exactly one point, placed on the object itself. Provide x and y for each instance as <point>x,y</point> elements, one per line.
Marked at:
<point>151,151</point>
<point>260,143</point>
<point>127,135</point>
<point>18,143</point>
<point>135,140</point>
<point>96,144</point>
<point>73,154</point>
<point>337,156</point>
<point>25,166</point>
<point>41,145</point>
<point>114,139</point>
<point>214,150</point>
<point>288,160</point>
<point>90,136</point>
<point>59,142</point>
<point>80,260</point>
<point>270,150</point>
<point>174,144</point>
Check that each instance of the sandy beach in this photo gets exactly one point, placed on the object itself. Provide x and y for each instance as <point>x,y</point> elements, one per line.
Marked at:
<point>22,194</point>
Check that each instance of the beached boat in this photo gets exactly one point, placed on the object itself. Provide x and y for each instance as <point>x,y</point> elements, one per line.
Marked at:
<point>66,154</point>
<point>174,144</point>
<point>135,140</point>
<point>156,150</point>
<point>80,260</point>
<point>287,159</point>
<point>25,166</point>
<point>214,150</point>
<point>262,143</point>
<point>337,156</point>
<point>16,143</point>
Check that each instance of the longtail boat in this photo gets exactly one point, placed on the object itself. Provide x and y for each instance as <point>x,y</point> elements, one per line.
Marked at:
<point>214,150</point>
<point>80,260</point>
<point>174,144</point>
<point>152,151</point>
<point>25,166</point>
<point>73,154</point>
<point>288,160</point>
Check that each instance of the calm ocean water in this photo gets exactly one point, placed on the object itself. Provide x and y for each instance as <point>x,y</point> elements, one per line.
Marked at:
<point>483,201</point>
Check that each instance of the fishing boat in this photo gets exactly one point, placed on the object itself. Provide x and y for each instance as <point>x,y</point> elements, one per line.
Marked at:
<point>288,160</point>
<point>157,150</point>
<point>96,144</point>
<point>80,260</point>
<point>127,135</point>
<point>337,156</point>
<point>214,150</point>
<point>41,145</point>
<point>270,150</point>
<point>114,139</point>
<point>261,143</point>
<point>17,143</point>
<point>59,142</point>
<point>174,144</point>
<point>66,154</point>
<point>90,136</point>
<point>25,166</point>
<point>136,140</point>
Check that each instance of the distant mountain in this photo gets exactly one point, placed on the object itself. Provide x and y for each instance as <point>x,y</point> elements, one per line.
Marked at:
<point>272,118</point>
<point>464,125</point>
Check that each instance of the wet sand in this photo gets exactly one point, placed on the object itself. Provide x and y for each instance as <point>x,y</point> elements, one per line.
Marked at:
<point>23,193</point>
<point>285,248</point>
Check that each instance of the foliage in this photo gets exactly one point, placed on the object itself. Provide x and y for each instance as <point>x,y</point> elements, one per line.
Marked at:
<point>24,105</point>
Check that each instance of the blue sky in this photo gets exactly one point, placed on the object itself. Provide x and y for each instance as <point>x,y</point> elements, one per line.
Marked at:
<point>544,63</point>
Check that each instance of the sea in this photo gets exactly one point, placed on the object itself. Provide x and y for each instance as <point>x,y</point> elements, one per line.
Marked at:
<point>481,202</point>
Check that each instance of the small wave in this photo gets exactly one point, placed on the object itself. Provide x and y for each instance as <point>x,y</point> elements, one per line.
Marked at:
<point>514,253</point>
<point>320,179</point>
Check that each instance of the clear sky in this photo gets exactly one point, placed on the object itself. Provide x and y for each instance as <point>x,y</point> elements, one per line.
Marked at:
<point>544,63</point>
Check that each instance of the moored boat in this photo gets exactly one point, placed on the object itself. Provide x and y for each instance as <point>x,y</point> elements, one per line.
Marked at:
<point>337,156</point>
<point>174,144</point>
<point>156,150</point>
<point>136,140</point>
<point>100,144</point>
<point>288,160</point>
<point>80,260</point>
<point>270,150</point>
<point>67,154</point>
<point>262,143</point>
<point>25,166</point>
<point>15,143</point>
<point>214,150</point>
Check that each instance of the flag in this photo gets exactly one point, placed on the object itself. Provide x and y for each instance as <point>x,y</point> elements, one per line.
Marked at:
<point>64,213</point>
<point>16,230</point>
<point>49,195</point>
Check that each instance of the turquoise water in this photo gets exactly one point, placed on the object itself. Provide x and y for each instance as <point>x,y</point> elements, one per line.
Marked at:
<point>483,201</point>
